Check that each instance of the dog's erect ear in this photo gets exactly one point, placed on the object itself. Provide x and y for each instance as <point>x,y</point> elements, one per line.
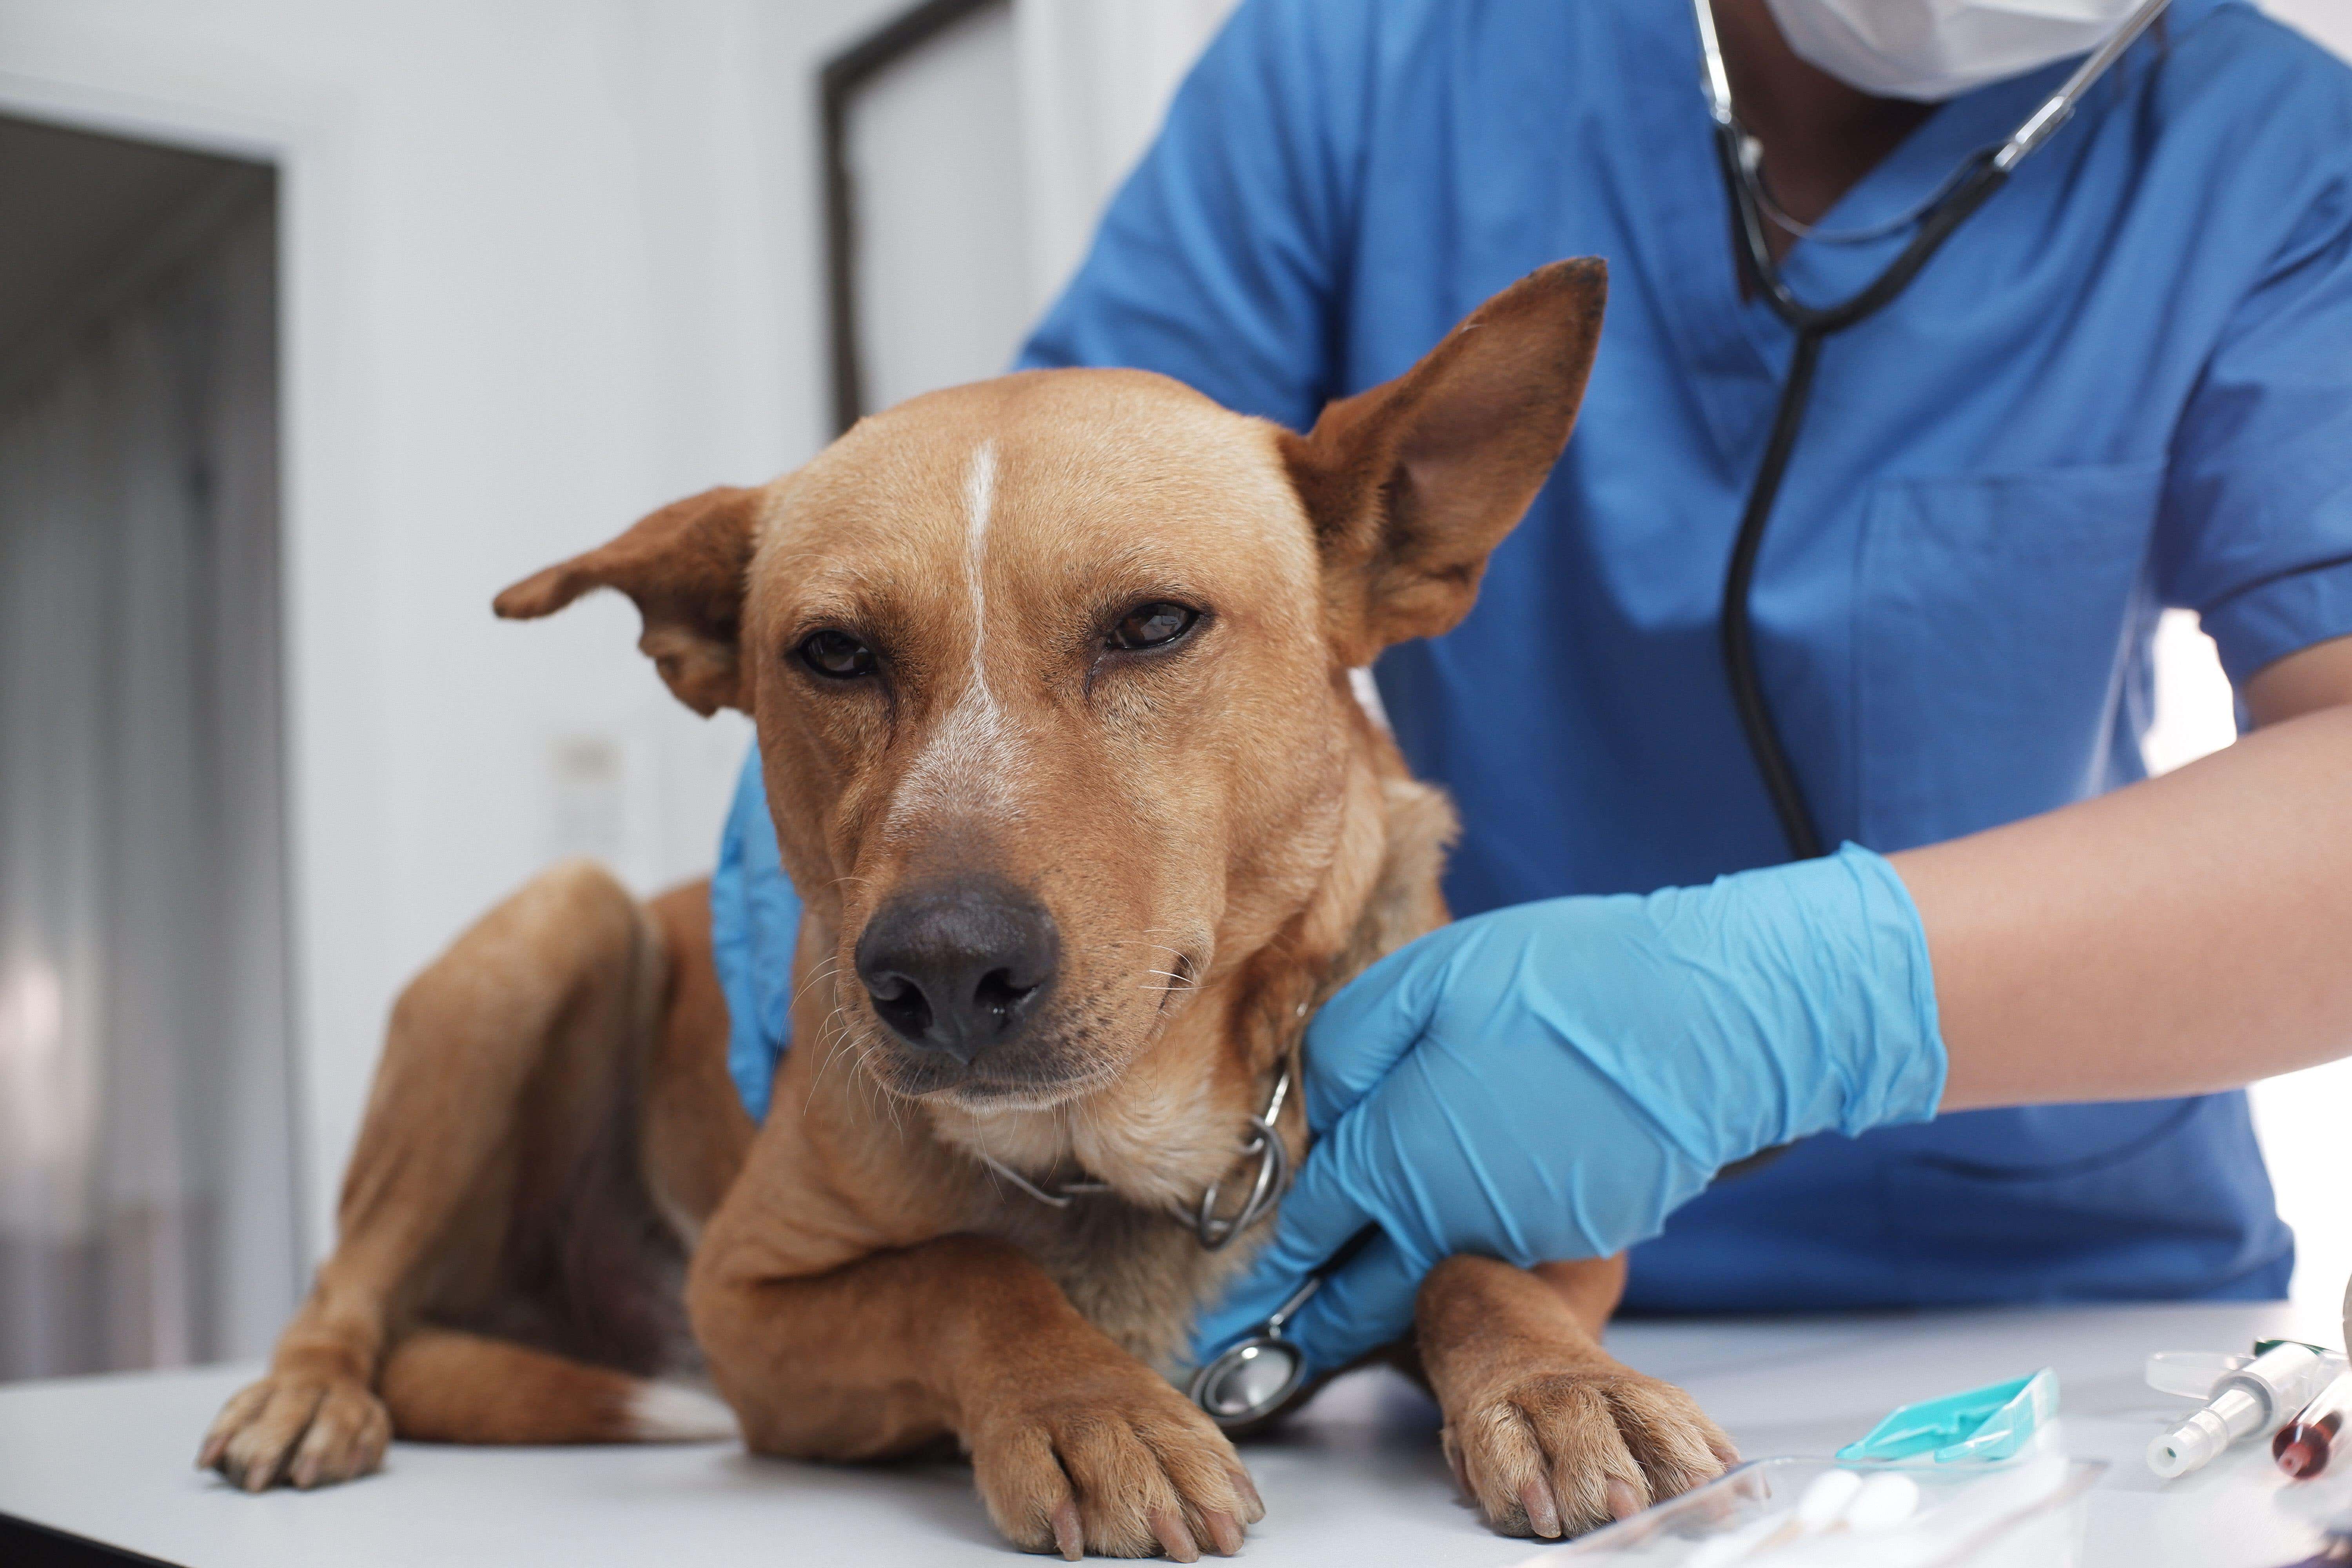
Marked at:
<point>1411,484</point>
<point>684,565</point>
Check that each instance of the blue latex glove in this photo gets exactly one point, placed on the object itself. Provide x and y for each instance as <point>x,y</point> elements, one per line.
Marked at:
<point>755,923</point>
<point>1552,1080</point>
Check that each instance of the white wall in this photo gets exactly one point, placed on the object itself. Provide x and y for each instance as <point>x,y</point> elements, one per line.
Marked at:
<point>549,263</point>
<point>983,164</point>
<point>935,148</point>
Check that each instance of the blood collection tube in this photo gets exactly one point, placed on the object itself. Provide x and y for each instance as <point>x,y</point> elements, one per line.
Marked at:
<point>2304,1444</point>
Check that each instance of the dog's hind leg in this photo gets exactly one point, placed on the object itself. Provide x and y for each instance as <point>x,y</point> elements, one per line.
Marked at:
<point>500,1067</point>
<point>445,1387</point>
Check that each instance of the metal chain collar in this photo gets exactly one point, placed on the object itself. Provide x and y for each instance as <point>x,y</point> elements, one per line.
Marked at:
<point>1262,1143</point>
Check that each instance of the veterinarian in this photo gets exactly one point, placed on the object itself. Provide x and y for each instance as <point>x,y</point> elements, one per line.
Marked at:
<point>2004,1042</point>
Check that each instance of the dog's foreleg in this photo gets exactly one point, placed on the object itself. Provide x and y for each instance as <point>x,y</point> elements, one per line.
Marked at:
<point>557,972</point>
<point>1075,1444</point>
<point>1546,1432</point>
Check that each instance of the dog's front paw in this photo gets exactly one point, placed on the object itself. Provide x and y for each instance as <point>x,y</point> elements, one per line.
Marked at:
<point>1114,1462</point>
<point>1558,1453</point>
<point>302,1429</point>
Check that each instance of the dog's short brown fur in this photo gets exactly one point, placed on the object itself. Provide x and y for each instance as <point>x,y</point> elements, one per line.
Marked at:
<point>1219,837</point>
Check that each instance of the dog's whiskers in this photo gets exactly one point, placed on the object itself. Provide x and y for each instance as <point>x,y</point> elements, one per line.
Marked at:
<point>829,1044</point>
<point>831,966</point>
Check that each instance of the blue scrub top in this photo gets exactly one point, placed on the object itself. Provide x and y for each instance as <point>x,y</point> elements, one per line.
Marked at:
<point>2126,384</point>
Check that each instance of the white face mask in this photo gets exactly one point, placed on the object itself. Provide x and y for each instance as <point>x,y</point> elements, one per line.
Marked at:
<point>1934,49</point>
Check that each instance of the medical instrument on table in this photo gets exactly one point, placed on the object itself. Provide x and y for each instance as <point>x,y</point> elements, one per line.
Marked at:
<point>2191,1374</point>
<point>1798,1511</point>
<point>2305,1446</point>
<point>2251,1399</point>
<point>1741,156</point>
<point>2196,1375</point>
<point>1976,1425</point>
<point>1250,1379</point>
<point>1836,1500</point>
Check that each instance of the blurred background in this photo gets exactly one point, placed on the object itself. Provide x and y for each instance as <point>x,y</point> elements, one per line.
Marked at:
<point>317,325</point>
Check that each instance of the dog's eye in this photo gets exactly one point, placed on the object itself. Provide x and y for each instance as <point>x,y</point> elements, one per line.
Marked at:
<point>1155,625</point>
<point>836,655</point>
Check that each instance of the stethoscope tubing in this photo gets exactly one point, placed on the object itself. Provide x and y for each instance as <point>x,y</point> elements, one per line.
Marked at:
<point>1813,325</point>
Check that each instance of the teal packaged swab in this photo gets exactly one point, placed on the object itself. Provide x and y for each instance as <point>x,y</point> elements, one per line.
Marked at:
<point>1978,1425</point>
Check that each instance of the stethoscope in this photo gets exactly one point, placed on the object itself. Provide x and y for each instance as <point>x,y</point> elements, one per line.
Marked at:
<point>1250,1380</point>
<point>1931,223</point>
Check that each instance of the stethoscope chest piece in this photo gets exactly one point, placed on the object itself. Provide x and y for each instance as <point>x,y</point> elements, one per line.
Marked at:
<point>1250,1381</point>
<point>1255,1377</point>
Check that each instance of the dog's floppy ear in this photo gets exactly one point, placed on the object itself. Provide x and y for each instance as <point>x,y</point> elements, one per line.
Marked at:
<point>1411,484</point>
<point>684,565</point>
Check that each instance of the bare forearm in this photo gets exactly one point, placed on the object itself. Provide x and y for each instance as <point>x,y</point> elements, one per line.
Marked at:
<point>2190,933</point>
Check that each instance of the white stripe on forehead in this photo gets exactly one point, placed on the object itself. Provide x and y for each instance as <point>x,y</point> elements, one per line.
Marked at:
<point>979,500</point>
<point>970,763</point>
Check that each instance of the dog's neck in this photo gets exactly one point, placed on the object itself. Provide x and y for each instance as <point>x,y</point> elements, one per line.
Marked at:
<point>1176,1122</point>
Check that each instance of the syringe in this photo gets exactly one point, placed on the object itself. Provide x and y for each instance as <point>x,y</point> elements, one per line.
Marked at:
<point>2256,1397</point>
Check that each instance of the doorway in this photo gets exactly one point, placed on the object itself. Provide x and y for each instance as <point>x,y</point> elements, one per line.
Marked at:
<point>147,1212</point>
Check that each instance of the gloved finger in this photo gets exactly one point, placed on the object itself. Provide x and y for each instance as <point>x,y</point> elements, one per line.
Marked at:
<point>1362,1031</point>
<point>1365,1304</point>
<point>1320,1215</point>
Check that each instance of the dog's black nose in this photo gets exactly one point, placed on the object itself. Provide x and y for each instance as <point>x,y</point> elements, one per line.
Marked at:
<point>958,965</point>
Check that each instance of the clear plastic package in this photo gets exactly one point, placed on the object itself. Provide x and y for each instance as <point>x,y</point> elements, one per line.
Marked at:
<point>2026,1513</point>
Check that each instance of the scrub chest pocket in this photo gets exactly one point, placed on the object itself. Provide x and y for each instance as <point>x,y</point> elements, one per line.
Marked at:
<point>1997,630</point>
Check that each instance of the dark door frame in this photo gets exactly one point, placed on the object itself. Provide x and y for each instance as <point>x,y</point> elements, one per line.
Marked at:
<point>839,82</point>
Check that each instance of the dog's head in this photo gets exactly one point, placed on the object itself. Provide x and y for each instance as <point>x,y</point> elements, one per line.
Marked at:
<point>1049,672</point>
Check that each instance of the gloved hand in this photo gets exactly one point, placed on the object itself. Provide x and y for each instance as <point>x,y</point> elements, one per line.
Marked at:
<point>755,924</point>
<point>1552,1080</point>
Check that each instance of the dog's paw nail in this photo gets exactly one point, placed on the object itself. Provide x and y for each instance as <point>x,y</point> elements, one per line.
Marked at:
<point>1461,1475</point>
<point>1174,1538</point>
<point>1543,1513</point>
<point>1248,1488</point>
<point>1225,1532</point>
<point>1069,1535</point>
<point>1624,1501</point>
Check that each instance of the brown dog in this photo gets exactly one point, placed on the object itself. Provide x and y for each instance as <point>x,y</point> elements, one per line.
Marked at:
<point>1050,675</point>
